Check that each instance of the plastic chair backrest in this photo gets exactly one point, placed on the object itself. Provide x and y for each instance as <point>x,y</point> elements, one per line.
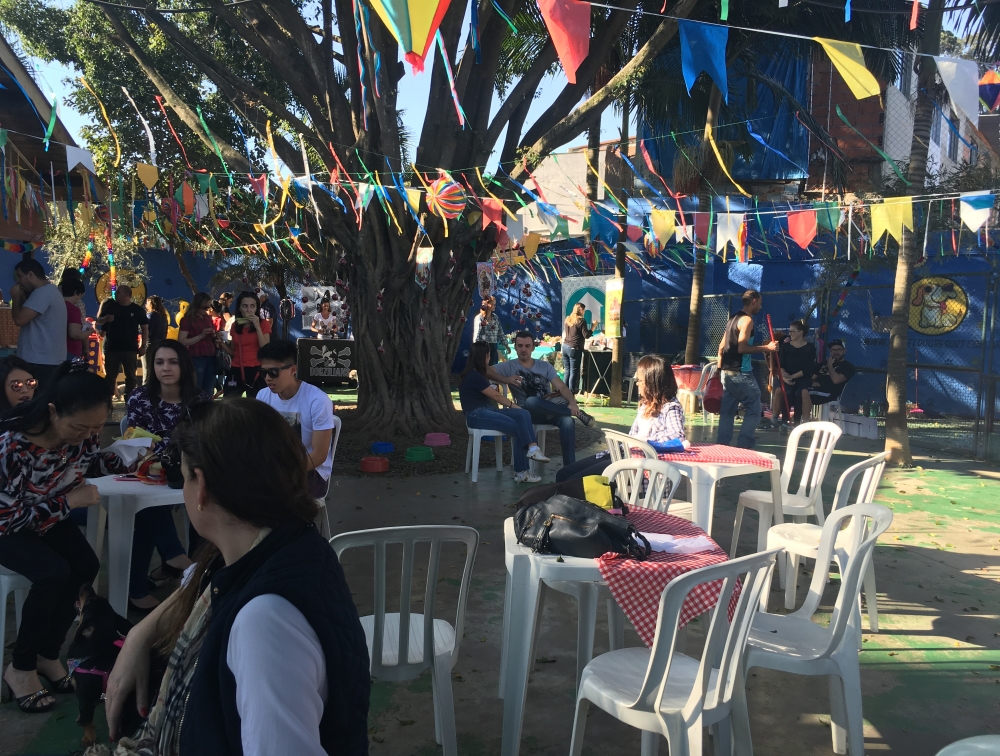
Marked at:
<point>824,439</point>
<point>621,444</point>
<point>123,424</point>
<point>725,639</point>
<point>855,544</point>
<point>409,536</point>
<point>706,375</point>
<point>337,424</point>
<point>629,474</point>
<point>873,468</point>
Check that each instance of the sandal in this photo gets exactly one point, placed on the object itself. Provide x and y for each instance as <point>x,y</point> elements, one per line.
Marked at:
<point>62,686</point>
<point>29,703</point>
<point>167,573</point>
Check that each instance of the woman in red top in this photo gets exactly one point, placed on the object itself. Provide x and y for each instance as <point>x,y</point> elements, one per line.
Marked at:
<point>198,334</point>
<point>248,333</point>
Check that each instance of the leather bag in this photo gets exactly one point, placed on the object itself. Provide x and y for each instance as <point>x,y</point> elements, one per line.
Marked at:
<point>712,401</point>
<point>572,527</point>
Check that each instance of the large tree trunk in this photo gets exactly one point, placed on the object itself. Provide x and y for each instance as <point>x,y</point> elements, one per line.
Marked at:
<point>407,338</point>
<point>897,439</point>
<point>693,347</point>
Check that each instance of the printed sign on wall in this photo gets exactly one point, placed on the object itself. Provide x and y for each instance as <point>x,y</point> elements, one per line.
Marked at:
<point>587,290</point>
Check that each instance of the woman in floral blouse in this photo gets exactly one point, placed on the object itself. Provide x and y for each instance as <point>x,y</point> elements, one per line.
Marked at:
<point>156,407</point>
<point>47,447</point>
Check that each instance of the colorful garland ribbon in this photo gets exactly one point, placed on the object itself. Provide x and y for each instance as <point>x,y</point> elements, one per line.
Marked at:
<point>52,122</point>
<point>718,156</point>
<point>881,153</point>
<point>159,101</point>
<point>118,148</point>
<point>215,145</point>
<point>145,125</point>
<point>451,77</point>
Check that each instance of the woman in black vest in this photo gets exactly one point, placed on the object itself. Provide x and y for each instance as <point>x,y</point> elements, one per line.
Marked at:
<point>267,654</point>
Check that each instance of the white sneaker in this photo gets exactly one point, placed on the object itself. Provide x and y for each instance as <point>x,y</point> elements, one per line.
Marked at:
<point>526,476</point>
<point>535,453</point>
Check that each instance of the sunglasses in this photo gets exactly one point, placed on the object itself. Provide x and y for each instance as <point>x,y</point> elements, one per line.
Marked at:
<point>31,383</point>
<point>273,373</point>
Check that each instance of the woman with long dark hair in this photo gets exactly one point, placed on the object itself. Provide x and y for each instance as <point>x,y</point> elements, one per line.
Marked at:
<point>197,332</point>
<point>19,383</point>
<point>267,653</point>
<point>659,419</point>
<point>47,447</point>
<point>248,333</point>
<point>479,398</point>
<point>156,407</point>
<point>575,333</point>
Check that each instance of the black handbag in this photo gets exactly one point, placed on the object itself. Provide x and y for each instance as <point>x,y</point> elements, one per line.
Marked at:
<point>170,460</point>
<point>571,527</point>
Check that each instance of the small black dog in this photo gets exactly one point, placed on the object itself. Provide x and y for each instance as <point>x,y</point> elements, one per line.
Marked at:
<point>92,656</point>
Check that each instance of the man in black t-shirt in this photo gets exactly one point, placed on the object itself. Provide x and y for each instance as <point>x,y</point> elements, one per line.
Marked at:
<point>123,322</point>
<point>830,377</point>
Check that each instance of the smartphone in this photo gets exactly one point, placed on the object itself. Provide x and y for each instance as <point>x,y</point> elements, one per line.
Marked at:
<point>128,476</point>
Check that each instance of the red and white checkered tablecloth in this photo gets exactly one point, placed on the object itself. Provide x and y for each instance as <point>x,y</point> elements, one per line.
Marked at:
<point>637,586</point>
<point>715,454</point>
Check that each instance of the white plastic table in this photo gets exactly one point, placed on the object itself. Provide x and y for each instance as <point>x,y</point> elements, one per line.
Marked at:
<point>525,571</point>
<point>121,499</point>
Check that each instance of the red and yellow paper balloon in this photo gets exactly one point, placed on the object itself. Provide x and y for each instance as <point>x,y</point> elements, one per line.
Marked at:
<point>413,24</point>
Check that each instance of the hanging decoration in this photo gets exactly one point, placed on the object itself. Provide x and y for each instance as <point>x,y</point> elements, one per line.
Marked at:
<point>728,230</point>
<point>149,131</point>
<point>445,199</point>
<point>914,14</point>
<point>663,223</point>
<point>451,79</point>
<point>425,256</point>
<point>760,140</point>
<point>881,153</point>
<point>850,63</point>
<point>959,78</point>
<point>989,90</point>
<point>568,23</point>
<point>892,215</point>
<point>104,113</point>
<point>975,208</point>
<point>802,227</point>
<point>413,23</point>
<point>52,122</point>
<point>703,48</point>
<point>159,101</point>
<point>722,163</point>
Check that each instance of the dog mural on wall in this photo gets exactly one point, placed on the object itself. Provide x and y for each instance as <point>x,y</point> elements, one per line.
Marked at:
<point>937,305</point>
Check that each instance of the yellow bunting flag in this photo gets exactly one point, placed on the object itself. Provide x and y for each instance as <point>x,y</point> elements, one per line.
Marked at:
<point>849,61</point>
<point>892,215</point>
<point>148,174</point>
<point>413,198</point>
<point>663,222</point>
<point>531,242</point>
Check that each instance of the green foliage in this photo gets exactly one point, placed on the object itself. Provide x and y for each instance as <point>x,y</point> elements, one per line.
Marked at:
<point>66,245</point>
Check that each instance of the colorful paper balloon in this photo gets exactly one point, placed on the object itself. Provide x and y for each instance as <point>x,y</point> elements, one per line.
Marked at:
<point>413,23</point>
<point>989,90</point>
<point>445,198</point>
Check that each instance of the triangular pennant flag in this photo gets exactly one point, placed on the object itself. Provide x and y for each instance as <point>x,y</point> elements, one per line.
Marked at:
<point>412,23</point>
<point>960,79</point>
<point>663,224</point>
<point>531,242</point>
<point>802,227</point>
<point>976,208</point>
<point>365,194</point>
<point>828,215</point>
<point>685,233</point>
<point>703,48</point>
<point>568,22</point>
<point>892,215</point>
<point>850,63</point>
<point>727,230</point>
<point>187,197</point>
<point>200,206</point>
<point>634,233</point>
<point>148,174</point>
<point>413,198</point>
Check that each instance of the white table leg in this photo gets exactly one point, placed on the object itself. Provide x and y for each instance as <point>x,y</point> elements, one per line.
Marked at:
<point>521,618</point>
<point>120,527</point>
<point>702,493</point>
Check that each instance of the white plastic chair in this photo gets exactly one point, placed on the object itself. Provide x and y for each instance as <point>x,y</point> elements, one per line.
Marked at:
<point>807,499</point>
<point>707,372</point>
<point>802,539</point>
<point>324,523</point>
<point>980,745</point>
<point>420,640</point>
<point>620,445</point>
<point>476,436</point>
<point>18,584</point>
<point>793,643</point>
<point>663,692</point>
<point>659,491</point>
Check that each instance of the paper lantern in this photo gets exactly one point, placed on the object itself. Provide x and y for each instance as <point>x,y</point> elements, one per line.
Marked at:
<point>413,24</point>
<point>445,198</point>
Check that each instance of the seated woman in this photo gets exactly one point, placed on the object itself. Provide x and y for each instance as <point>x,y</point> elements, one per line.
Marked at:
<point>47,446</point>
<point>478,398</point>
<point>18,383</point>
<point>267,653</point>
<point>156,407</point>
<point>659,419</point>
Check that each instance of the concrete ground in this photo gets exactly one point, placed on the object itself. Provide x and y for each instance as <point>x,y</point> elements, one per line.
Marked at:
<point>931,676</point>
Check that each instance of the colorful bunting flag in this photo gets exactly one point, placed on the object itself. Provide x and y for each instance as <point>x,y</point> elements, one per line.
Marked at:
<point>663,223</point>
<point>989,90</point>
<point>728,230</point>
<point>703,48</point>
<point>568,22</point>
<point>959,77</point>
<point>413,23</point>
<point>850,63</point>
<point>148,174</point>
<point>892,215</point>
<point>976,208</point>
<point>802,227</point>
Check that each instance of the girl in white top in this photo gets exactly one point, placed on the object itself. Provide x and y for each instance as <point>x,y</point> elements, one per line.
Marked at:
<point>323,322</point>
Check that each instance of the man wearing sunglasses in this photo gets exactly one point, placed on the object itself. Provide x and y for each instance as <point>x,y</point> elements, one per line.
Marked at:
<point>306,407</point>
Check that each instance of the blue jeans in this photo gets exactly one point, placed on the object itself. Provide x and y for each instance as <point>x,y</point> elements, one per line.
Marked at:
<point>739,390</point>
<point>514,422</point>
<point>204,373</point>
<point>545,412</point>
<point>573,366</point>
<point>153,527</point>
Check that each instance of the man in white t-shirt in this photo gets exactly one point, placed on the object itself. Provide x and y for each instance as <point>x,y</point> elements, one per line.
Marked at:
<point>303,405</point>
<point>39,310</point>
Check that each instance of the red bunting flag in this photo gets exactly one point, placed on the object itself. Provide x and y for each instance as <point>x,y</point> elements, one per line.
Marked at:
<point>568,22</point>
<point>492,212</point>
<point>802,227</point>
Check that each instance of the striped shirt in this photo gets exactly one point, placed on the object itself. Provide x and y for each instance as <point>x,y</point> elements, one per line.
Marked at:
<point>488,330</point>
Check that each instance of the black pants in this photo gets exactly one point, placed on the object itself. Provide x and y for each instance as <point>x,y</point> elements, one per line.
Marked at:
<point>243,381</point>
<point>583,467</point>
<point>113,361</point>
<point>57,563</point>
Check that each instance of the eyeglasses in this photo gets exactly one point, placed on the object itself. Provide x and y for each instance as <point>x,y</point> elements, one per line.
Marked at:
<point>31,383</point>
<point>273,373</point>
